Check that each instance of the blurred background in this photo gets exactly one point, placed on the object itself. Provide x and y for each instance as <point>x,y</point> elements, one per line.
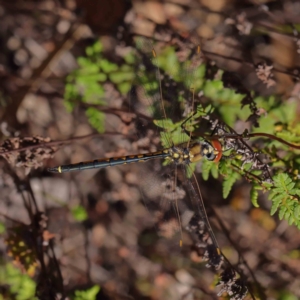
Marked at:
<point>88,235</point>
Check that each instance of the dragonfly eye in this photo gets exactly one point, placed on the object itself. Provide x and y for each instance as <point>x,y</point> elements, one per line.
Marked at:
<point>212,151</point>
<point>208,151</point>
<point>210,156</point>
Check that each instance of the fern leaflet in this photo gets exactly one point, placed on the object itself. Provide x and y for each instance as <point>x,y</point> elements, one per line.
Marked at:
<point>285,198</point>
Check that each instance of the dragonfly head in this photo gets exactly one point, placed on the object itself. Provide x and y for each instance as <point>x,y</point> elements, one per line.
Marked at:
<point>211,151</point>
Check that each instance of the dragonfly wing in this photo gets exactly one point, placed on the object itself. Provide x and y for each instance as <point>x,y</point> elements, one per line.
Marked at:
<point>199,225</point>
<point>175,203</point>
<point>167,88</point>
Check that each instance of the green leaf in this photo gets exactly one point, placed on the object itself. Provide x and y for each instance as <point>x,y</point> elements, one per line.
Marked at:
<point>282,211</point>
<point>276,202</point>
<point>215,170</point>
<point>119,77</point>
<point>296,192</point>
<point>89,294</point>
<point>284,197</point>
<point>97,47</point>
<point>206,168</point>
<point>84,62</point>
<point>168,61</point>
<point>87,79</point>
<point>190,169</point>
<point>89,51</point>
<point>212,86</point>
<point>165,139</point>
<point>79,213</point>
<point>287,215</point>
<point>93,94</point>
<point>124,87</point>
<point>297,212</point>
<point>254,196</point>
<point>224,169</point>
<point>228,183</point>
<point>291,220</point>
<point>96,118</point>
<point>2,228</point>
<point>107,66</point>
<point>19,284</point>
<point>166,124</point>
<point>284,182</point>
<point>129,58</point>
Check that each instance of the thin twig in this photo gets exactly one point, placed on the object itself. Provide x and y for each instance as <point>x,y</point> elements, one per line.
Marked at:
<point>66,141</point>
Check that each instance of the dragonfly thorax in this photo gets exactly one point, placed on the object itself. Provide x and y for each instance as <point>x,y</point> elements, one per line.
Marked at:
<point>179,155</point>
<point>193,153</point>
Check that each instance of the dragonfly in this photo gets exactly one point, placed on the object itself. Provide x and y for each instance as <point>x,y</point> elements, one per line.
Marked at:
<point>175,117</point>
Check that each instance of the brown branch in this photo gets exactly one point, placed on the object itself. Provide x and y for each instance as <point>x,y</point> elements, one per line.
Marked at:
<point>251,135</point>
<point>273,137</point>
<point>66,141</point>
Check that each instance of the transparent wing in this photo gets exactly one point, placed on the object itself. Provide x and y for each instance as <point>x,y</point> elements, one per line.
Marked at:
<point>199,225</point>
<point>167,88</point>
<point>165,94</point>
<point>166,199</point>
<point>176,205</point>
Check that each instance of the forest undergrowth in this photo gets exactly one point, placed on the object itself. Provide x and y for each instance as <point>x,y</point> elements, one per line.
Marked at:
<point>108,83</point>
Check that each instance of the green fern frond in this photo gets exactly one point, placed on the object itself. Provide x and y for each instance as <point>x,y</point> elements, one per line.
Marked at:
<point>230,176</point>
<point>285,199</point>
<point>288,136</point>
<point>228,182</point>
<point>209,167</point>
<point>214,170</point>
<point>20,286</point>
